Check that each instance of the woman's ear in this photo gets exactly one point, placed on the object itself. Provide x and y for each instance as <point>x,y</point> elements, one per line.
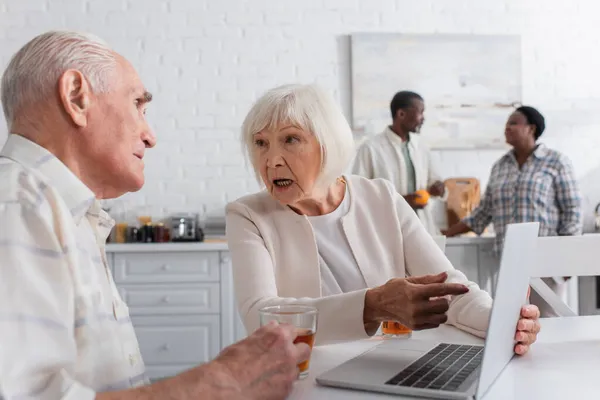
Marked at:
<point>74,93</point>
<point>533,130</point>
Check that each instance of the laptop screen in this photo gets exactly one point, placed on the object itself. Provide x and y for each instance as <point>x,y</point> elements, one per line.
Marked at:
<point>511,293</point>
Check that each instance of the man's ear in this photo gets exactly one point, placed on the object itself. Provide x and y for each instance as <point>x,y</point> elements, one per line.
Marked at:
<point>74,92</point>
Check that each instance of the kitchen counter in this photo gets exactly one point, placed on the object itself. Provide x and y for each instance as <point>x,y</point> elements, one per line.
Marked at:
<point>462,240</point>
<point>212,245</point>
<point>220,244</point>
<point>471,254</point>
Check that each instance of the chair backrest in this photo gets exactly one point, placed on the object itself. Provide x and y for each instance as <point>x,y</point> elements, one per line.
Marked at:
<point>560,256</point>
<point>567,256</point>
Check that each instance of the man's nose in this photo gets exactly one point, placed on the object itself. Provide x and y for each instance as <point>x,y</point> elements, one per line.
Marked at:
<point>149,138</point>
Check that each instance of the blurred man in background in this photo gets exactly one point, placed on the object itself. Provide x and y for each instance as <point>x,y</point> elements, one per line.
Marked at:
<point>398,155</point>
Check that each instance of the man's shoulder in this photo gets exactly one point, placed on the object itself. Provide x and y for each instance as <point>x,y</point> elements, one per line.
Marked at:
<point>21,185</point>
<point>375,145</point>
<point>375,140</point>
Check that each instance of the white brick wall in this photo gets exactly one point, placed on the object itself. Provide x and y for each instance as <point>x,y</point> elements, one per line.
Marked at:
<point>206,60</point>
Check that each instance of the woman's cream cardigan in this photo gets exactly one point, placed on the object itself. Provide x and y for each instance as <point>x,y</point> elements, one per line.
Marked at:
<point>275,259</point>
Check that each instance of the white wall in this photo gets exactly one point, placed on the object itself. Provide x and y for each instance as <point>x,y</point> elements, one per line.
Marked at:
<point>206,60</point>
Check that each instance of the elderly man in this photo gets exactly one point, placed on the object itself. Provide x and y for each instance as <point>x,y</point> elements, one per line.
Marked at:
<point>75,111</point>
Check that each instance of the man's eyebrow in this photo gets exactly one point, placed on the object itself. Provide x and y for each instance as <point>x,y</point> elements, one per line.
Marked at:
<point>147,97</point>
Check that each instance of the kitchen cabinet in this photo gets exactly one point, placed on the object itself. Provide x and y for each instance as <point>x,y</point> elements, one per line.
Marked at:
<point>181,302</point>
<point>488,266</point>
<point>475,257</point>
<point>176,343</point>
<point>465,259</point>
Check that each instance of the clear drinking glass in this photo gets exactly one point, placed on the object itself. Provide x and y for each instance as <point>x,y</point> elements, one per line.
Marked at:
<point>303,318</point>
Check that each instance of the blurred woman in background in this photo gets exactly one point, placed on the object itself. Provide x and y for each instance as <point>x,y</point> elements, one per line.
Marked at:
<point>530,183</point>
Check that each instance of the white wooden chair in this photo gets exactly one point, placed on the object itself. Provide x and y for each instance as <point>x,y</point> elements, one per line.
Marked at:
<point>561,256</point>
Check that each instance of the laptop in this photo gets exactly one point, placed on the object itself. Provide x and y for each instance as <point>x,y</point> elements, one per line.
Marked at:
<point>446,370</point>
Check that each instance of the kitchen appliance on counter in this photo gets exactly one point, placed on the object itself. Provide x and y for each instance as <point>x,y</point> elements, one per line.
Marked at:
<point>185,228</point>
<point>464,194</point>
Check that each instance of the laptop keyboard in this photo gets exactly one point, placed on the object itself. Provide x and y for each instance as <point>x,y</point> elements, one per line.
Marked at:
<point>445,367</point>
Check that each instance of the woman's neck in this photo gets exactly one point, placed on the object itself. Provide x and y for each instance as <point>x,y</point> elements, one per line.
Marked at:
<point>323,202</point>
<point>522,153</point>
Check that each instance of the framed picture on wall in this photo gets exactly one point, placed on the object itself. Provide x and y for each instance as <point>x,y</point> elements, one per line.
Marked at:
<point>470,84</point>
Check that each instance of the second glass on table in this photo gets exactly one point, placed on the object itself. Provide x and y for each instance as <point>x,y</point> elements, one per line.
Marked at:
<point>395,329</point>
<point>303,318</point>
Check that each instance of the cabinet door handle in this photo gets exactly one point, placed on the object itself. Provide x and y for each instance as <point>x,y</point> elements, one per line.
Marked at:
<point>166,299</point>
<point>166,267</point>
<point>225,259</point>
<point>165,347</point>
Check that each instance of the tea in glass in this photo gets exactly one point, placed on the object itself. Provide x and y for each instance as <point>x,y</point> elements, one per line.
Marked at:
<point>395,329</point>
<point>304,318</point>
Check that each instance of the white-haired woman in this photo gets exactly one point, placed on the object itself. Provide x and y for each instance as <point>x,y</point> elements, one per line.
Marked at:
<point>341,243</point>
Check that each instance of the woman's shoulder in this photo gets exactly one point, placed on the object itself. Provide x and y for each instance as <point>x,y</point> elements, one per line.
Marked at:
<point>377,188</point>
<point>556,156</point>
<point>259,202</point>
<point>378,199</point>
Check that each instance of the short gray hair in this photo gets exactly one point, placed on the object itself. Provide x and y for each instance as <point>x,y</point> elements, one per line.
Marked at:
<point>312,109</point>
<point>33,72</point>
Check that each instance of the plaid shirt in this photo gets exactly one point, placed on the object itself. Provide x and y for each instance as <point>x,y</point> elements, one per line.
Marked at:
<point>544,190</point>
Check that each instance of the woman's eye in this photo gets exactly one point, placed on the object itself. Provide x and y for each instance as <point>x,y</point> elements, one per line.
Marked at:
<point>259,142</point>
<point>291,139</point>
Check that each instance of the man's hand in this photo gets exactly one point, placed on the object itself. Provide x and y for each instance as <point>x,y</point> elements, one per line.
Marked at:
<point>411,199</point>
<point>437,189</point>
<point>264,365</point>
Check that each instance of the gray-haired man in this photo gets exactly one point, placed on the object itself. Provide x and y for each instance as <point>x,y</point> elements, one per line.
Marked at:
<point>76,115</point>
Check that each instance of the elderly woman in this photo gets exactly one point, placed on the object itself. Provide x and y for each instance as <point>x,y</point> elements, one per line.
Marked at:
<point>343,244</point>
<point>530,183</point>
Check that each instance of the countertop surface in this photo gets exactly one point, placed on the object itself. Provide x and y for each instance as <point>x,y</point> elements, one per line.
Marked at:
<point>465,239</point>
<point>218,243</point>
<point>210,244</point>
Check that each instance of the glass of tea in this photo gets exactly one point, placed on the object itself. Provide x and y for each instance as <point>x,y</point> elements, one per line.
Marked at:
<point>395,329</point>
<point>303,318</point>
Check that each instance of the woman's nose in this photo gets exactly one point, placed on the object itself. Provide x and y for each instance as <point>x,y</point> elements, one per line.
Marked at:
<point>274,158</point>
<point>275,161</point>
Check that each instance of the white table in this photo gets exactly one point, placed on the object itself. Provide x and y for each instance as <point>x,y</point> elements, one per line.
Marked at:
<point>563,364</point>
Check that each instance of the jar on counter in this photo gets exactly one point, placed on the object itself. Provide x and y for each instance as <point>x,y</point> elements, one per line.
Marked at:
<point>147,233</point>
<point>121,232</point>
<point>161,234</point>
<point>144,219</point>
<point>132,234</point>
